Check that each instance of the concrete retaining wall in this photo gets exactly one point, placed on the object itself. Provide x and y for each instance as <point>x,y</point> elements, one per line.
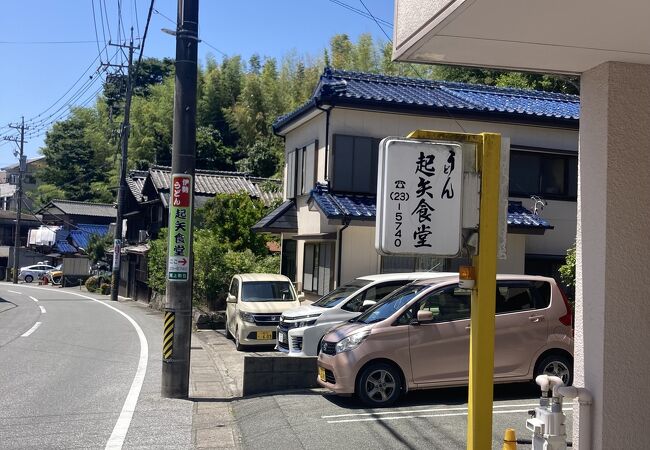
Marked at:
<point>272,373</point>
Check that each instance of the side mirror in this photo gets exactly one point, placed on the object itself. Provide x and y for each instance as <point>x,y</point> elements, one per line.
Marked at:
<point>424,316</point>
<point>301,297</point>
<point>231,299</point>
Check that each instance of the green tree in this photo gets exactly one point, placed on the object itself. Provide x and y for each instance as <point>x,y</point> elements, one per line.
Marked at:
<point>231,217</point>
<point>342,51</point>
<point>72,164</point>
<point>97,245</point>
<point>157,262</point>
<point>263,158</point>
<point>568,269</point>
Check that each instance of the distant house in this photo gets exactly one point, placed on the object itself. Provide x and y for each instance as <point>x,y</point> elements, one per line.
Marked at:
<point>68,226</point>
<point>9,182</point>
<point>7,230</point>
<point>148,210</point>
<point>327,221</point>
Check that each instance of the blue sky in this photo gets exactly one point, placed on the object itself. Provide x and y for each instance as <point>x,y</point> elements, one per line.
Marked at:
<point>40,63</point>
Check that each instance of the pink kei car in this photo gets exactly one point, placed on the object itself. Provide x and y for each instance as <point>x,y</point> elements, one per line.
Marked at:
<point>418,338</point>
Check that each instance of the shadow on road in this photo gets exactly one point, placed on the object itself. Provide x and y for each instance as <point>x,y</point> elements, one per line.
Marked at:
<point>443,396</point>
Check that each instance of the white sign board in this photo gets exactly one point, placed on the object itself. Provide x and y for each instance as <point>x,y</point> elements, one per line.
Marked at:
<point>419,198</point>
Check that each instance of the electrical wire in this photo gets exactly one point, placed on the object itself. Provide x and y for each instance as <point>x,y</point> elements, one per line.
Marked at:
<point>412,68</point>
<point>144,36</point>
<point>200,40</point>
<point>360,12</point>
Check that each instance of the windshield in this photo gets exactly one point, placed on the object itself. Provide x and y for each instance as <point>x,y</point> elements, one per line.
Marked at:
<point>340,293</point>
<point>266,291</point>
<point>389,305</point>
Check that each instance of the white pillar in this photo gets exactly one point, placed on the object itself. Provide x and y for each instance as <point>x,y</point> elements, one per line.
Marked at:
<point>612,333</point>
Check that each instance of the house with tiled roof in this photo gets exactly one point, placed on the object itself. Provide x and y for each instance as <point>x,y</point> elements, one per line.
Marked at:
<point>327,220</point>
<point>148,204</point>
<point>148,211</point>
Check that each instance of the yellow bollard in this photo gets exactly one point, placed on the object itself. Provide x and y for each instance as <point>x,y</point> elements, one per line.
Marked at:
<point>509,440</point>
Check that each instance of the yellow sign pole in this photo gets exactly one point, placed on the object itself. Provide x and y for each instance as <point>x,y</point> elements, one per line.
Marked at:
<point>481,354</point>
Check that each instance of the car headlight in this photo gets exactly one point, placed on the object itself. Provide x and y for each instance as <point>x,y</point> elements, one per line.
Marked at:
<point>305,323</point>
<point>247,317</point>
<point>351,342</point>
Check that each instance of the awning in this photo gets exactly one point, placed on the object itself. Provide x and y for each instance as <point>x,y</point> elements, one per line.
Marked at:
<point>283,219</point>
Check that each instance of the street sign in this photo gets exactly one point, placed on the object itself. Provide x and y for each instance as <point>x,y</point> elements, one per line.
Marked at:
<point>419,197</point>
<point>180,223</point>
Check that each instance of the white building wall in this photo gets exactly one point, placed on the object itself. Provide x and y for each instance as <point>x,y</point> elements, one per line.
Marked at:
<point>379,125</point>
<point>516,255</point>
<point>560,214</point>
<point>359,254</point>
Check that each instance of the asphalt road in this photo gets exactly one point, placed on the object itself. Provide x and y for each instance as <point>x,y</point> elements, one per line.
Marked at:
<point>68,366</point>
<point>435,419</point>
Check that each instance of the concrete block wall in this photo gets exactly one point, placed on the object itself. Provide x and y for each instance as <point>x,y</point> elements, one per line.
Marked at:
<point>271,373</point>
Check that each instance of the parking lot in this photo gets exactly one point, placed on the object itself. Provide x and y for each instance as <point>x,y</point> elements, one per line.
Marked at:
<point>316,419</point>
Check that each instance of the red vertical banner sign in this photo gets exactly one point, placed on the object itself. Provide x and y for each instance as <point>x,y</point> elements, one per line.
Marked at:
<point>180,223</point>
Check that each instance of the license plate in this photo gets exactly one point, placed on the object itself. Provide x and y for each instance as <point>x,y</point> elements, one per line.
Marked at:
<point>281,337</point>
<point>321,373</point>
<point>264,335</point>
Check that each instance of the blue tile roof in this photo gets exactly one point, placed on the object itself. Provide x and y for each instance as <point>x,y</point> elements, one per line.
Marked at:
<point>340,87</point>
<point>520,217</point>
<point>81,235</point>
<point>363,207</point>
<point>64,248</point>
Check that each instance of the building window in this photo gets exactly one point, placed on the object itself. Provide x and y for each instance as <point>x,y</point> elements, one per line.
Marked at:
<point>288,265</point>
<point>550,176</point>
<point>302,170</point>
<point>318,268</point>
<point>354,164</point>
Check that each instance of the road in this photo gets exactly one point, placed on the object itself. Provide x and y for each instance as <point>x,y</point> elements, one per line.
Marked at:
<point>78,372</point>
<point>435,419</point>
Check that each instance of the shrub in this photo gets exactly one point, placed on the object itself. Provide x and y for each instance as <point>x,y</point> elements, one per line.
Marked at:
<point>92,283</point>
<point>105,289</point>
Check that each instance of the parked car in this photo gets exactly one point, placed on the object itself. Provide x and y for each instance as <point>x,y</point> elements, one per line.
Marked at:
<point>55,276</point>
<point>34,272</point>
<point>254,305</point>
<point>418,337</point>
<point>302,329</point>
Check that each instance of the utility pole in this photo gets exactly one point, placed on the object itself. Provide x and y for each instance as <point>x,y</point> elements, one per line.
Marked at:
<point>121,190</point>
<point>22,166</point>
<point>177,330</point>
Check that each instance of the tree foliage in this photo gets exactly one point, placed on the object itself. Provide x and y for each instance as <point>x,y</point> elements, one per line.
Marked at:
<point>568,269</point>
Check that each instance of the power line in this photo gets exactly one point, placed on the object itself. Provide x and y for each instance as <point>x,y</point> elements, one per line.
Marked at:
<point>360,12</point>
<point>375,20</point>
<point>144,36</point>
<point>412,67</point>
<point>200,40</point>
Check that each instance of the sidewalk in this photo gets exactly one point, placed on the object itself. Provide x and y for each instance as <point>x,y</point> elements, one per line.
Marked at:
<point>215,381</point>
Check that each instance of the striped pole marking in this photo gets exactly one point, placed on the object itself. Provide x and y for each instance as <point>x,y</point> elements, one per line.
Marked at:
<point>168,334</point>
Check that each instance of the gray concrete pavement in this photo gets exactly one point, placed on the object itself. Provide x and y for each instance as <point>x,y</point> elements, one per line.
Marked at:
<point>64,384</point>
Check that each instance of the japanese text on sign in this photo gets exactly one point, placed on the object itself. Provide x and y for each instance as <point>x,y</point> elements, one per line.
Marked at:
<point>419,198</point>
<point>180,208</point>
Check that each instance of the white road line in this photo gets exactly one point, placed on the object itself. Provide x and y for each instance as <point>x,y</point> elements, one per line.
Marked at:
<point>42,309</point>
<point>427,416</point>
<point>116,441</point>
<point>417,411</point>
<point>31,330</point>
<point>14,292</point>
<point>33,298</point>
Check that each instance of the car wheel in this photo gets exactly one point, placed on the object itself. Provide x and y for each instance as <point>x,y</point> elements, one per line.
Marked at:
<point>379,385</point>
<point>29,278</point>
<point>559,366</point>
<point>238,345</point>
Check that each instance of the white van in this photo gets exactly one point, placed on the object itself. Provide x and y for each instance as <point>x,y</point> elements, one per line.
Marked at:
<point>301,329</point>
